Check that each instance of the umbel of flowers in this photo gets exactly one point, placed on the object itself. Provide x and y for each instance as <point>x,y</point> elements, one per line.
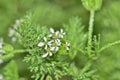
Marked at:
<point>53,42</point>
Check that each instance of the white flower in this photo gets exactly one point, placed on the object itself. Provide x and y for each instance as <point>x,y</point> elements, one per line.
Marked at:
<point>53,33</point>
<point>52,30</point>
<point>11,32</point>
<point>67,45</point>
<point>58,42</point>
<point>46,43</point>
<point>54,48</point>
<point>17,23</point>
<point>62,33</point>
<point>1,77</point>
<point>14,39</point>
<point>55,45</point>
<point>47,54</point>
<point>57,34</point>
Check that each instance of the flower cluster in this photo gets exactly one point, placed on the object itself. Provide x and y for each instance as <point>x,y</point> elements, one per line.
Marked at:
<point>1,51</point>
<point>53,42</point>
<point>12,31</point>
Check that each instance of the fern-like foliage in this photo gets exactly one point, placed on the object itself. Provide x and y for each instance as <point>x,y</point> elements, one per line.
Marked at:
<point>42,68</point>
<point>76,36</point>
<point>60,63</point>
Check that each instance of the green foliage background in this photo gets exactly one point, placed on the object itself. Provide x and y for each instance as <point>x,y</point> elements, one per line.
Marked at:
<point>56,12</point>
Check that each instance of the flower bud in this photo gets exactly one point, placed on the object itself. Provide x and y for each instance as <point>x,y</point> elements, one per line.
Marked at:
<point>92,5</point>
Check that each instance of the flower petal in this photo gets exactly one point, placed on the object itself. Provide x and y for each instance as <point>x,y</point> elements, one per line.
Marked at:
<point>50,54</point>
<point>56,48</point>
<point>50,35</point>
<point>50,42</point>
<point>61,30</point>
<point>46,47</point>
<point>67,48</point>
<point>64,33</point>
<point>52,30</point>
<point>57,33</point>
<point>67,44</point>
<point>52,48</point>
<point>58,42</point>
<point>44,55</point>
<point>41,44</point>
<point>11,32</point>
<point>45,39</point>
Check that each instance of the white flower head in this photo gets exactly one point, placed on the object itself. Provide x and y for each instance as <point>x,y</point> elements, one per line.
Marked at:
<point>62,33</point>
<point>46,43</point>
<point>54,34</point>
<point>41,44</point>
<point>57,34</point>
<point>58,42</point>
<point>55,45</point>
<point>55,42</point>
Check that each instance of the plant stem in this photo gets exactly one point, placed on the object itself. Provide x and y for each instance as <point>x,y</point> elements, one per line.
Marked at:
<point>109,45</point>
<point>11,54</point>
<point>91,21</point>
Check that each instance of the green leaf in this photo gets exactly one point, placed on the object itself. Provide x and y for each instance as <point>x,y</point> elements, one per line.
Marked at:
<point>11,71</point>
<point>8,48</point>
<point>49,78</point>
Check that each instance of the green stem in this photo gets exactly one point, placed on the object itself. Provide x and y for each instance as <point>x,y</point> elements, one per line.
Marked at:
<point>91,21</point>
<point>86,68</point>
<point>11,54</point>
<point>109,45</point>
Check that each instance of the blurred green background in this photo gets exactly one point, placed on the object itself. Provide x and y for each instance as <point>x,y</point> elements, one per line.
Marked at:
<point>56,12</point>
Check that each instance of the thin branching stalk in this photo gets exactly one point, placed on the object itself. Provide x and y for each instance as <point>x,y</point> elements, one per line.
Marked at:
<point>109,45</point>
<point>91,23</point>
<point>11,54</point>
